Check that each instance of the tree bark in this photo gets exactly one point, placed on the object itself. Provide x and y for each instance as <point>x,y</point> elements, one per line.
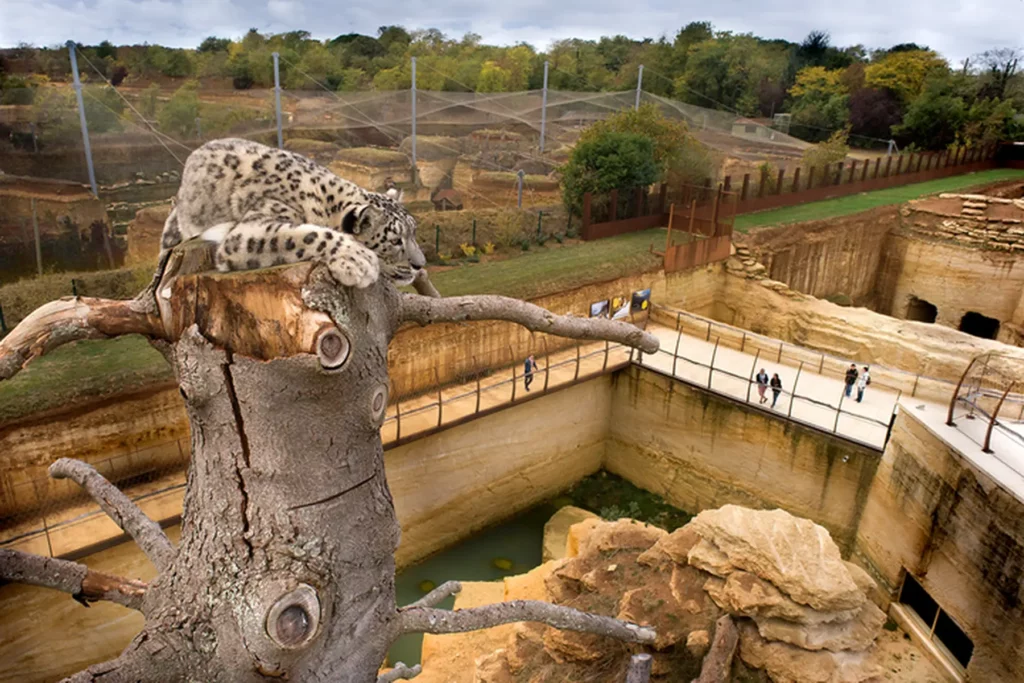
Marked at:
<point>285,567</point>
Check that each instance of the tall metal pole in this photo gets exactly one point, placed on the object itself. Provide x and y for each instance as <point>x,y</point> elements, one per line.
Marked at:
<point>544,108</point>
<point>414,174</point>
<point>277,100</point>
<point>81,118</point>
<point>639,86</point>
<point>520,175</point>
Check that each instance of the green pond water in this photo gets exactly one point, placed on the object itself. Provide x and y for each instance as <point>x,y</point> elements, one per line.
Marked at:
<point>514,547</point>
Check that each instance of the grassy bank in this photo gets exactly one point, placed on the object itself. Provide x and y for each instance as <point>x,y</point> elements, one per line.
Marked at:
<point>89,370</point>
<point>844,206</point>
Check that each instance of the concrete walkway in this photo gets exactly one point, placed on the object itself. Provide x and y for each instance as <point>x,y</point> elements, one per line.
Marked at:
<point>810,398</point>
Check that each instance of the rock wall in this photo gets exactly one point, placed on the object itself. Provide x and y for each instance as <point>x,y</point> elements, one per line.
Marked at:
<point>932,513</point>
<point>701,451</point>
<point>142,428</point>
<point>144,232</point>
<point>933,351</point>
<point>456,482</point>
<point>955,278</point>
<point>835,257</point>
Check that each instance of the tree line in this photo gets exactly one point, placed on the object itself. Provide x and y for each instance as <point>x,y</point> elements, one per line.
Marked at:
<point>906,92</point>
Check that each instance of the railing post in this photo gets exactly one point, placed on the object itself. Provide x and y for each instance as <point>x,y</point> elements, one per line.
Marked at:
<point>547,363</point>
<point>864,171</point>
<point>839,411</point>
<point>708,337</point>
<point>920,160</point>
<point>675,355</point>
<point>992,422</point>
<point>839,173</point>
<point>792,394</point>
<point>778,181</point>
<point>607,350</point>
<point>952,400</point>
<point>577,376</point>
<point>888,166</point>
<point>796,180</point>
<point>440,399</point>
<point>753,371</point>
<point>760,187</point>
<point>853,169</point>
<point>743,341</point>
<point>398,420</point>
<point>477,366</point>
<point>810,177</point>
<point>821,365</point>
<point>780,352</point>
<point>512,355</point>
<point>711,369</point>
<point>878,165</point>
<point>746,186</point>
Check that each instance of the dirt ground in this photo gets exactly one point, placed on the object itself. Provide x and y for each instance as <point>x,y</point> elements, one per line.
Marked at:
<point>905,662</point>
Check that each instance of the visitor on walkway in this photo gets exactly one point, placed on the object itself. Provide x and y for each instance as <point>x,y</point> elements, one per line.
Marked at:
<point>531,365</point>
<point>776,388</point>
<point>762,385</point>
<point>862,383</point>
<point>851,379</point>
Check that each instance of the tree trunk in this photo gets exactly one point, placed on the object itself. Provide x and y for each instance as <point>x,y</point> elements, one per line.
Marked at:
<point>285,568</point>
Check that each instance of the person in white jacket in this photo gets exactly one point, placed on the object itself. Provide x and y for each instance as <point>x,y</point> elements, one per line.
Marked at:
<point>863,380</point>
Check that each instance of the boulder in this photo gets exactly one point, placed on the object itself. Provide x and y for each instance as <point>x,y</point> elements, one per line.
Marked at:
<point>556,530</point>
<point>796,555</point>
<point>786,663</point>
<point>855,634</point>
<point>746,595</point>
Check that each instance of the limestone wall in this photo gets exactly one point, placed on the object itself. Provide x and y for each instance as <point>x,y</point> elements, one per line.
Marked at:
<point>458,481</point>
<point>953,277</point>
<point>932,351</point>
<point>932,513</point>
<point>826,258</point>
<point>701,451</point>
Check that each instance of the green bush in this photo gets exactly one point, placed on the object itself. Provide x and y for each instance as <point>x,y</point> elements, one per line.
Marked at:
<point>606,162</point>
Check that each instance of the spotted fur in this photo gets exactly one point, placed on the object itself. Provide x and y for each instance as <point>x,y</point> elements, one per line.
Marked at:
<point>266,207</point>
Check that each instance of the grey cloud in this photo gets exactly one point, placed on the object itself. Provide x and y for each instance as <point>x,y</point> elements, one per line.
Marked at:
<point>956,28</point>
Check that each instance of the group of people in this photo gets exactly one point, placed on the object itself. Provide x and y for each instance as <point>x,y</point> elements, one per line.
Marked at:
<point>763,383</point>
<point>853,378</point>
<point>861,380</point>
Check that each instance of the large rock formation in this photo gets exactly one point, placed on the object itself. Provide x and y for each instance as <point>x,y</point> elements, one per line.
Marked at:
<point>802,612</point>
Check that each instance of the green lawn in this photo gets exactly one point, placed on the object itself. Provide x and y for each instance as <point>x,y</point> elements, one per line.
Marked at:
<point>88,370</point>
<point>856,203</point>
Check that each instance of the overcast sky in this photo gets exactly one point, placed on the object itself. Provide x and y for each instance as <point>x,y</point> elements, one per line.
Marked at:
<point>956,29</point>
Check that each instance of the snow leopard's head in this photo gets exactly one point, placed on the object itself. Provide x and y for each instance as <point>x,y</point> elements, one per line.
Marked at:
<point>385,226</point>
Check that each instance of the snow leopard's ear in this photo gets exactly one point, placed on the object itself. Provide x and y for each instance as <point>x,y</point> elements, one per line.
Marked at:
<point>355,219</point>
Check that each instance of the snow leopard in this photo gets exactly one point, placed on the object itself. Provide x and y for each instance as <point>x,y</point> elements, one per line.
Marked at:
<point>265,207</point>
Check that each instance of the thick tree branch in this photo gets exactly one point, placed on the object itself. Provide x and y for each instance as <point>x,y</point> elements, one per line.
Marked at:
<point>67,320</point>
<point>427,311</point>
<point>81,582</point>
<point>436,596</point>
<point>143,660</point>
<point>126,514</point>
<point>401,672</point>
<point>427,620</point>
<point>718,661</point>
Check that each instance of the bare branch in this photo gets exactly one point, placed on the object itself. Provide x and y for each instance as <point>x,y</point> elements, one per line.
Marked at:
<point>399,673</point>
<point>427,620</point>
<point>81,582</point>
<point>431,599</point>
<point>67,320</point>
<point>718,661</point>
<point>426,311</point>
<point>424,286</point>
<point>639,669</point>
<point>126,514</point>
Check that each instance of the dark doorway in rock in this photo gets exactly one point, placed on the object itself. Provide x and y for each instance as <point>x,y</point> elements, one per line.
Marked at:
<point>979,325</point>
<point>921,310</point>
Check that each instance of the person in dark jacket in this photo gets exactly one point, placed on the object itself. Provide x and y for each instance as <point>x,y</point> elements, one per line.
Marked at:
<point>851,379</point>
<point>528,369</point>
<point>776,388</point>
